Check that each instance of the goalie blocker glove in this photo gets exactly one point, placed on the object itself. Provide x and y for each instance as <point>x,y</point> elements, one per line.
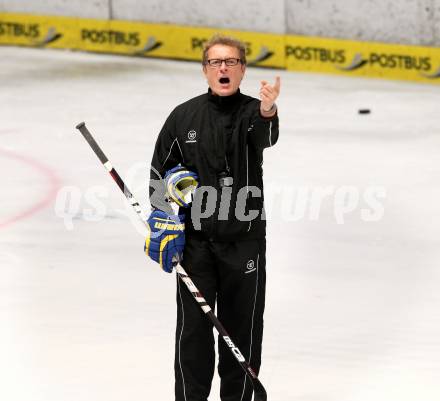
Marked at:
<point>180,185</point>
<point>165,239</point>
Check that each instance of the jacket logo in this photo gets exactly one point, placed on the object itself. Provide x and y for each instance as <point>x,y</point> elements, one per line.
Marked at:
<point>250,266</point>
<point>192,137</point>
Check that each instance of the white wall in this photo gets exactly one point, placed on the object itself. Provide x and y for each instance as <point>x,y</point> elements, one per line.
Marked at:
<point>246,15</point>
<point>76,8</point>
<point>436,22</point>
<point>393,21</point>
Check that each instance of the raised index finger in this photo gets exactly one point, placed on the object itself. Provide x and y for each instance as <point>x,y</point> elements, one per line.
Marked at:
<point>277,83</point>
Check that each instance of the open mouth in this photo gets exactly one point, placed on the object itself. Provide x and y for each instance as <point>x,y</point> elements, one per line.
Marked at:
<point>224,80</point>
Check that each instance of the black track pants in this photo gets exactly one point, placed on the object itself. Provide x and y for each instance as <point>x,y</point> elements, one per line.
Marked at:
<point>233,275</point>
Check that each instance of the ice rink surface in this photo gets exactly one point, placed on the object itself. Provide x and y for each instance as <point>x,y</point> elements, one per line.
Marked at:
<point>353,306</point>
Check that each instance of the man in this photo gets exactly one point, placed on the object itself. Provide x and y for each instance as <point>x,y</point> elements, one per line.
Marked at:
<point>217,138</point>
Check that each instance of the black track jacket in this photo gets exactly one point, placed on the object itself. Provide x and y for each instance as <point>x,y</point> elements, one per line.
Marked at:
<point>209,135</point>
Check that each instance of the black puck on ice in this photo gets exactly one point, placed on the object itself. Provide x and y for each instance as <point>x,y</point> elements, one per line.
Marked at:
<point>364,111</point>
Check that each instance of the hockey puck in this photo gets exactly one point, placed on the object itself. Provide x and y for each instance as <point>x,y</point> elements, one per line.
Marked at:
<point>364,111</point>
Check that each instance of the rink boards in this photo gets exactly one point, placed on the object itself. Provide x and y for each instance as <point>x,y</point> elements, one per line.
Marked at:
<point>295,53</point>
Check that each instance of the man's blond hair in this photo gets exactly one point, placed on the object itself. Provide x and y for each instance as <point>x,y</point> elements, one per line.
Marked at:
<point>219,39</point>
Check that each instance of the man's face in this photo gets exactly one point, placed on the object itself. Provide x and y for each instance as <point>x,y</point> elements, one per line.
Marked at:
<point>224,80</point>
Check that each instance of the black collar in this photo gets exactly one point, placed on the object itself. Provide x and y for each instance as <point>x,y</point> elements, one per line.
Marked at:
<point>224,102</point>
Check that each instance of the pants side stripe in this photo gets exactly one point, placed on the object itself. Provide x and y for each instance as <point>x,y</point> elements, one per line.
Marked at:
<point>180,337</point>
<point>252,327</point>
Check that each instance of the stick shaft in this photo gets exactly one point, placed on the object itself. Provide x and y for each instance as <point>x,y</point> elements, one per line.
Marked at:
<point>112,171</point>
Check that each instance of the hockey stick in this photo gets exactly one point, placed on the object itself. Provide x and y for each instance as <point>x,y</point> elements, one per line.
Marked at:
<point>259,391</point>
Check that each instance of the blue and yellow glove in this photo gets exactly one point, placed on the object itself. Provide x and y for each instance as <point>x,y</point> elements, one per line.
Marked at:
<point>180,185</point>
<point>166,239</point>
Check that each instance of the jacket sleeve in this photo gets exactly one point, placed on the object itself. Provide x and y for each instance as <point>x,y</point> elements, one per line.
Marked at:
<point>263,132</point>
<point>167,154</point>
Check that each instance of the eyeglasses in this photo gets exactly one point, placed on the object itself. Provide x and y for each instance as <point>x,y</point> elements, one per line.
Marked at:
<point>217,62</point>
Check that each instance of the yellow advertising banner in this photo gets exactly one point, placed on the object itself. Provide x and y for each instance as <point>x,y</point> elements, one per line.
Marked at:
<point>367,59</point>
<point>131,38</point>
<point>296,53</point>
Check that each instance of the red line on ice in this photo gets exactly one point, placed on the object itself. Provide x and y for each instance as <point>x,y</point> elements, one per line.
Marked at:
<point>51,178</point>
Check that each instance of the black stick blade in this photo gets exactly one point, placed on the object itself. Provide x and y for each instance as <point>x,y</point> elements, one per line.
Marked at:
<point>259,391</point>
